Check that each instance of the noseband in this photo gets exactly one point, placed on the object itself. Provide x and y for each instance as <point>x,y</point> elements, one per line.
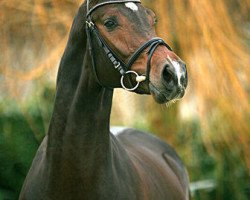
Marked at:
<point>123,68</point>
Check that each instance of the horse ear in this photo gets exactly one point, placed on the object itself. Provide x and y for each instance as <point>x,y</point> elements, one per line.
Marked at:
<point>74,52</point>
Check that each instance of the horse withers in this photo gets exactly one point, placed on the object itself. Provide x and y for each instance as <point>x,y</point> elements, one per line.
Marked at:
<point>111,44</point>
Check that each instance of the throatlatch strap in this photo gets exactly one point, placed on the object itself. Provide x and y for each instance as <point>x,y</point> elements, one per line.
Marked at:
<point>91,53</point>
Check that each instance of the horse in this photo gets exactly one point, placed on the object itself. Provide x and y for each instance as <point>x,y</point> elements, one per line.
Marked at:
<point>112,44</point>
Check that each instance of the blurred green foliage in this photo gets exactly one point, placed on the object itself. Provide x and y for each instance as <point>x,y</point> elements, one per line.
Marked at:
<point>20,135</point>
<point>225,166</point>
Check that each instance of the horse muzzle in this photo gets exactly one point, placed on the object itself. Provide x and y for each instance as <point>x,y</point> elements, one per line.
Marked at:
<point>172,83</point>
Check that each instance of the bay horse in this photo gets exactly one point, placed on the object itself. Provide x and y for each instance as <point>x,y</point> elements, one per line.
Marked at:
<point>112,44</point>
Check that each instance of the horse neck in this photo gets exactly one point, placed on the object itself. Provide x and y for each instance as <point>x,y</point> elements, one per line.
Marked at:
<point>80,110</point>
<point>78,137</point>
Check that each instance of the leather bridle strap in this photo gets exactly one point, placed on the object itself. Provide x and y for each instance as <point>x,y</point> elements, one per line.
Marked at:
<point>150,53</point>
<point>150,43</point>
<point>118,64</point>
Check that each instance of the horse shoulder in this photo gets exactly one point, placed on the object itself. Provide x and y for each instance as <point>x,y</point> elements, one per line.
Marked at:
<point>160,169</point>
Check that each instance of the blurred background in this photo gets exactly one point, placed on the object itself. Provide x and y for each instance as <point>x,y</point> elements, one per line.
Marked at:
<point>209,128</point>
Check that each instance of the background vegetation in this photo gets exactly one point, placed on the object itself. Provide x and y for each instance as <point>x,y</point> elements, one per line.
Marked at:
<point>210,127</point>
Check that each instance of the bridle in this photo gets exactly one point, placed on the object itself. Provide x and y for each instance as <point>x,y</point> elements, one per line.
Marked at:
<point>123,68</point>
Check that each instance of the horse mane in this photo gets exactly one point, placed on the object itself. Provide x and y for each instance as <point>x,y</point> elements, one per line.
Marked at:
<point>75,49</point>
<point>70,69</point>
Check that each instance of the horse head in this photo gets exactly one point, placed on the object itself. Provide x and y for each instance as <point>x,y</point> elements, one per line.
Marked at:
<point>126,32</point>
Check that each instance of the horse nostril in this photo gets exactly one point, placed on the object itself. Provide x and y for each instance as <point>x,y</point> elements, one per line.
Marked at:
<point>168,75</point>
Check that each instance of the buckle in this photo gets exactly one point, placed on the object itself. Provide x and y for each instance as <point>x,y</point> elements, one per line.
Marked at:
<point>118,65</point>
<point>90,24</point>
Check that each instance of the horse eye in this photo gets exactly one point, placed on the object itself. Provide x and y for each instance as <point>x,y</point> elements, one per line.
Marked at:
<point>110,24</point>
